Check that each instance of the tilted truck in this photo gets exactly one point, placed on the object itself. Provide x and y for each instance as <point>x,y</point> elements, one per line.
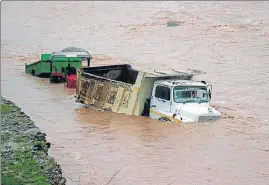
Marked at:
<point>172,96</point>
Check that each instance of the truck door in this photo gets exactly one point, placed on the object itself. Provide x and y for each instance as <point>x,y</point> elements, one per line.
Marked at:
<point>160,100</point>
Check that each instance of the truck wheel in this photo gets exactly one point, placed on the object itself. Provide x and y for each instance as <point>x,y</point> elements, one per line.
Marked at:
<point>146,108</point>
<point>164,119</point>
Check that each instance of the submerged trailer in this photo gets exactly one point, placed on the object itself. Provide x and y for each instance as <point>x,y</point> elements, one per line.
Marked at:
<point>170,96</point>
<point>60,66</point>
<point>67,71</point>
<point>39,68</point>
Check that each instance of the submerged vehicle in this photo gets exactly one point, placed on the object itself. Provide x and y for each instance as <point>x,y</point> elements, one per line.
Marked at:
<point>60,66</point>
<point>166,96</point>
<point>66,72</point>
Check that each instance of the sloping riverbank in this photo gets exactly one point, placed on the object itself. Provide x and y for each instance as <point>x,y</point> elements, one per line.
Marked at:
<point>24,151</point>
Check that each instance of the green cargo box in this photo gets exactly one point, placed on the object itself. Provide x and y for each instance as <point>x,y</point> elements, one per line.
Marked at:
<point>45,57</point>
<point>43,66</point>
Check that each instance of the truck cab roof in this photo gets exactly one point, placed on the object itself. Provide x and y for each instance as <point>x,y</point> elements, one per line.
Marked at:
<point>173,83</point>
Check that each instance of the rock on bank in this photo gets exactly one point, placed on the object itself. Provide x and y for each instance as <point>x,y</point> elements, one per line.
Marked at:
<point>24,151</point>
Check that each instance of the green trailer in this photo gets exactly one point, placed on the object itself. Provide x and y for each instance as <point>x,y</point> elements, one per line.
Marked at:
<point>60,66</point>
<point>45,67</point>
<point>62,69</point>
<point>40,68</point>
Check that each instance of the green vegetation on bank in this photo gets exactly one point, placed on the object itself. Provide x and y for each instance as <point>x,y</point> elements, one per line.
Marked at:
<point>18,165</point>
<point>24,151</point>
<point>21,168</point>
<point>4,109</point>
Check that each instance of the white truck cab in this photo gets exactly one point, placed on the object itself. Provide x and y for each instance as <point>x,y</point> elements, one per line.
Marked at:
<point>182,101</point>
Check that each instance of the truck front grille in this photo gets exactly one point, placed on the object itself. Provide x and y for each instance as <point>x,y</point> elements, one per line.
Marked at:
<point>208,118</point>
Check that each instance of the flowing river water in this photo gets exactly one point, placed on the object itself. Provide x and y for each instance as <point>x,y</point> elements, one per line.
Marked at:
<point>229,41</point>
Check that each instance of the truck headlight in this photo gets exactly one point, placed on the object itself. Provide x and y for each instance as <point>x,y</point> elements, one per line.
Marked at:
<point>177,111</point>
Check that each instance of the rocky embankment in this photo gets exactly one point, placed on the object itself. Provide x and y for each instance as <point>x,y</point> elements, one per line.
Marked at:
<point>24,151</point>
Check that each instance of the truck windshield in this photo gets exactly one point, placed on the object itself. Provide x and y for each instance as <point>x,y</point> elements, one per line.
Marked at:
<point>183,94</point>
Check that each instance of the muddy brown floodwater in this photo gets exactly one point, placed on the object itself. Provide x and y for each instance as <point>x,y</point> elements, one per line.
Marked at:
<point>227,40</point>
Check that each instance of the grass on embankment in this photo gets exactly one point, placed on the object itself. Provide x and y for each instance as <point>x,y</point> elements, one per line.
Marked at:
<point>4,109</point>
<point>18,165</point>
<point>23,153</point>
<point>22,168</point>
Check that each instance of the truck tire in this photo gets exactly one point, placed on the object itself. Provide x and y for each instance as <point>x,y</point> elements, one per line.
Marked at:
<point>146,108</point>
<point>164,119</point>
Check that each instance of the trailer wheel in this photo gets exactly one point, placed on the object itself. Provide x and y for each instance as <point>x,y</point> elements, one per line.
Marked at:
<point>164,119</point>
<point>33,72</point>
<point>51,80</point>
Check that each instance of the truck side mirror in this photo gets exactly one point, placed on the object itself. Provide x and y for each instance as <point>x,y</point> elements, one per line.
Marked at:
<point>204,82</point>
<point>209,89</point>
